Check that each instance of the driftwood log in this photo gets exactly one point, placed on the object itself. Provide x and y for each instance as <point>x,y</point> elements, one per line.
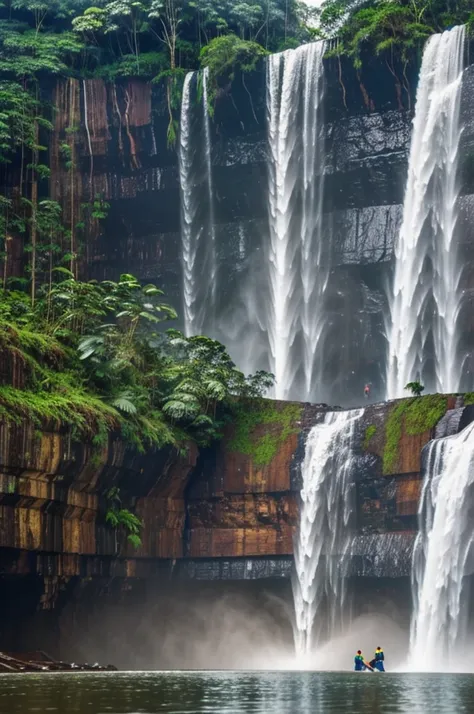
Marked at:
<point>41,662</point>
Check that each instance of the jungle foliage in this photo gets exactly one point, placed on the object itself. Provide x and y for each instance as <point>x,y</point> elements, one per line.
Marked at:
<point>156,39</point>
<point>162,39</point>
<point>395,29</point>
<point>95,357</point>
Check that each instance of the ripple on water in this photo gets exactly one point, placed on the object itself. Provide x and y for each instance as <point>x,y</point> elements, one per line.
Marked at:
<point>237,693</point>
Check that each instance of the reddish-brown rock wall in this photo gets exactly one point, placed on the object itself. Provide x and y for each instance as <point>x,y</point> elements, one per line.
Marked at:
<point>221,503</point>
<point>52,495</point>
<point>240,507</point>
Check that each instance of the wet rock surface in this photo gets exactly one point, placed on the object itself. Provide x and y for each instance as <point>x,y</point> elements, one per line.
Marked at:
<point>367,133</point>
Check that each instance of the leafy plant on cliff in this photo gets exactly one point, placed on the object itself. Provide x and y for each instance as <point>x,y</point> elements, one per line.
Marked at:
<point>416,388</point>
<point>224,57</point>
<point>202,383</point>
<point>414,416</point>
<point>122,520</point>
<point>280,422</point>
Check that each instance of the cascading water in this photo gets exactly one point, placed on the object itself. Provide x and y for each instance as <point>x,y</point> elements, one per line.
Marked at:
<point>444,555</point>
<point>322,547</point>
<point>198,239</point>
<point>425,298</point>
<point>212,276</point>
<point>191,233</point>
<point>296,277</point>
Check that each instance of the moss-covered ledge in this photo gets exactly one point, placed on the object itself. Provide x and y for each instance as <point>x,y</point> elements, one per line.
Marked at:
<point>397,431</point>
<point>237,498</point>
<point>392,437</point>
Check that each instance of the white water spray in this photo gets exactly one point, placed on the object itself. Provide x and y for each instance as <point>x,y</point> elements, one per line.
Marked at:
<point>322,548</point>
<point>296,278</point>
<point>425,299</point>
<point>444,556</point>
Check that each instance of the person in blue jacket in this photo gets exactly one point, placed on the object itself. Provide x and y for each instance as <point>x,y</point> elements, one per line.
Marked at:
<point>359,662</point>
<point>379,659</point>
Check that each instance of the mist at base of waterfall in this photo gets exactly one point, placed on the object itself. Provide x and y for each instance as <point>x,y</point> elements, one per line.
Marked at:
<point>222,625</point>
<point>183,625</point>
<point>364,633</point>
<point>243,625</point>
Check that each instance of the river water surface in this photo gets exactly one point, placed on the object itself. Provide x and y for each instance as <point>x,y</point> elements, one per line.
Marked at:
<point>236,693</point>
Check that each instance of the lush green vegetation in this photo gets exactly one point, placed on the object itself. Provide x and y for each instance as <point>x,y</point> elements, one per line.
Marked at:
<point>279,422</point>
<point>414,416</point>
<point>94,356</point>
<point>370,432</point>
<point>122,520</point>
<point>394,29</point>
<point>157,39</point>
<point>416,388</point>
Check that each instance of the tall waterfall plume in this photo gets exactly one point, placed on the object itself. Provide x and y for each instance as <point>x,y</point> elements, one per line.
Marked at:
<point>198,240</point>
<point>323,544</point>
<point>212,276</point>
<point>296,276</point>
<point>426,297</point>
<point>190,233</point>
<point>444,555</point>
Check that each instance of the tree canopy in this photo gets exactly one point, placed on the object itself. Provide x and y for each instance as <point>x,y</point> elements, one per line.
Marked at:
<point>394,27</point>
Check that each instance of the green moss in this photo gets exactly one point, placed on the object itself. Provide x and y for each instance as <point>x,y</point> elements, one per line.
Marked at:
<point>416,416</point>
<point>393,433</point>
<point>423,413</point>
<point>78,409</point>
<point>281,423</point>
<point>369,433</point>
<point>468,398</point>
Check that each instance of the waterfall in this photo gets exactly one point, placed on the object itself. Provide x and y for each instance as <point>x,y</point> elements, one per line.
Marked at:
<point>444,555</point>
<point>323,544</point>
<point>212,285</point>
<point>190,232</point>
<point>198,238</point>
<point>297,280</point>
<point>426,296</point>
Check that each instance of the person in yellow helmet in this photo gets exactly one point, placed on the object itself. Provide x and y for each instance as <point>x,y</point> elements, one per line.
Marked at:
<point>379,660</point>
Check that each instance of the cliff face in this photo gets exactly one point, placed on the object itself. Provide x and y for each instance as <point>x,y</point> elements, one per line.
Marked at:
<point>229,506</point>
<point>53,497</point>
<point>229,513</point>
<point>120,147</point>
